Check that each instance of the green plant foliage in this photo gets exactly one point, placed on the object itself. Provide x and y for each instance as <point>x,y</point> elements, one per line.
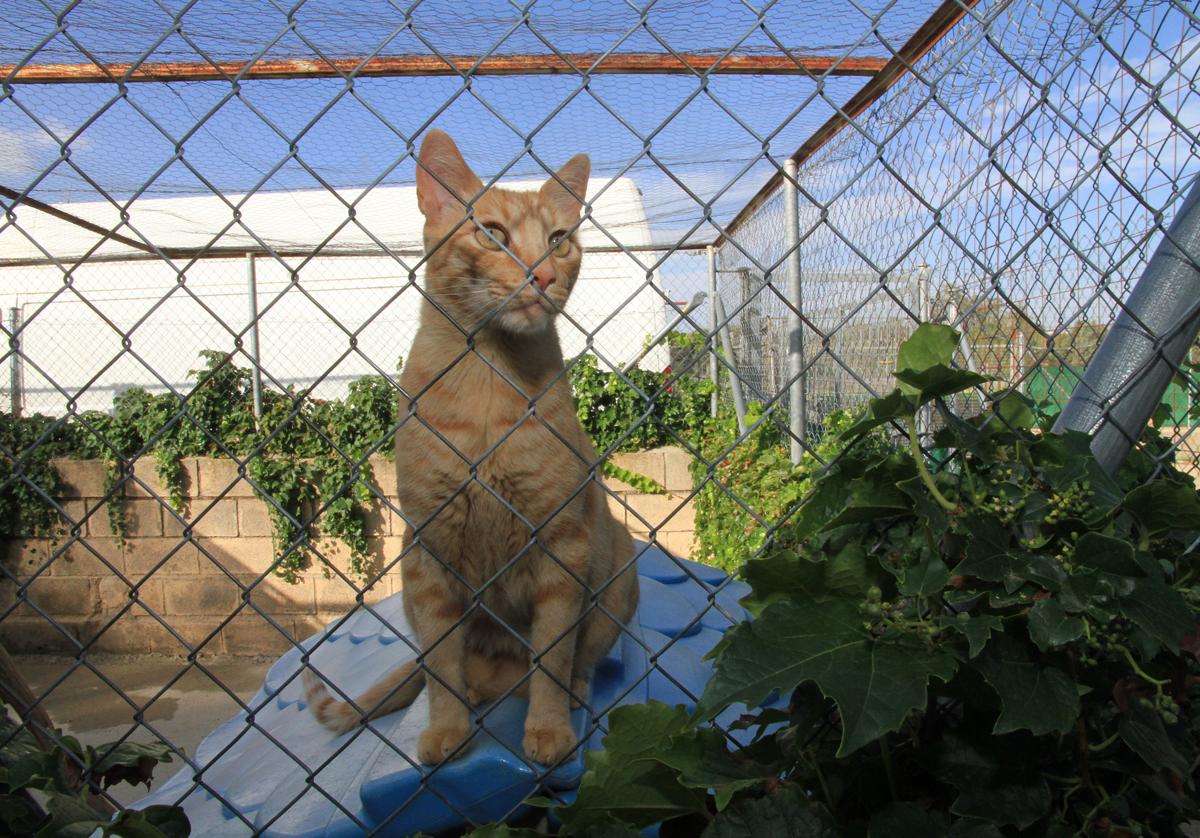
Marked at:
<point>638,409</point>
<point>752,484</point>
<point>47,784</point>
<point>1003,645</point>
<point>302,455</point>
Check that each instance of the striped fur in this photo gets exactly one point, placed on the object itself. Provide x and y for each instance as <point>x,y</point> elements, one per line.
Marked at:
<point>511,549</point>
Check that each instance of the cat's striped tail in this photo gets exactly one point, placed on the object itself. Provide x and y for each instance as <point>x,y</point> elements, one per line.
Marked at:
<point>394,692</point>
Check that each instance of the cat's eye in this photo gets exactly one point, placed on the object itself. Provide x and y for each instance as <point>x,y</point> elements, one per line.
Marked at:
<point>559,243</point>
<point>492,237</point>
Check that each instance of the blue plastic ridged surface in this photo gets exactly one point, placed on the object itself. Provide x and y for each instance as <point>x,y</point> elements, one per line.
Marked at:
<point>261,770</point>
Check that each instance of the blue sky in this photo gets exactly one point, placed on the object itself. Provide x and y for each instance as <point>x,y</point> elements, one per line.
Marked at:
<point>360,137</point>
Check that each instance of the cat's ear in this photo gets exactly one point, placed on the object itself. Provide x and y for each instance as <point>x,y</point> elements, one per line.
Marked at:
<point>445,183</point>
<point>565,191</point>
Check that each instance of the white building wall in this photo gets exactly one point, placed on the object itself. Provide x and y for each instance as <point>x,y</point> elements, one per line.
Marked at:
<point>110,325</point>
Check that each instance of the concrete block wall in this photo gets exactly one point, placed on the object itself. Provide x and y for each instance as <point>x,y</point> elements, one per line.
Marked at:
<point>197,593</point>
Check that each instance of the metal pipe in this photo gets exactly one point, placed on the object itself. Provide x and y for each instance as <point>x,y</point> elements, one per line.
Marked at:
<point>1126,378</point>
<point>735,383</point>
<point>925,414</point>
<point>255,359</point>
<point>713,366</point>
<point>589,63</point>
<point>797,408</point>
<point>14,380</point>
<point>695,302</point>
<point>927,35</point>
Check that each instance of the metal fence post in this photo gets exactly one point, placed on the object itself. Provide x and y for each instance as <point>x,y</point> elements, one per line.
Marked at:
<point>735,383</point>
<point>1126,378</point>
<point>798,409</point>
<point>925,414</point>
<point>16,400</point>
<point>713,365</point>
<point>256,372</point>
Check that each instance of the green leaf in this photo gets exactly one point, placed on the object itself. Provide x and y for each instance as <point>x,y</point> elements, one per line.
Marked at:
<point>1051,626</point>
<point>1034,697</point>
<point>626,780</point>
<point>704,762</point>
<point>1160,611</point>
<point>781,575</point>
<point>151,822</point>
<point>1142,730</point>
<point>1162,505</point>
<point>993,783</point>
<point>1112,555</point>
<point>70,817</point>
<point>1019,804</point>
<point>937,382</point>
<point>895,405</point>
<point>1016,410</point>
<point>977,628</point>
<point>923,364</point>
<point>907,820</point>
<point>930,345</point>
<point>503,830</point>
<point>875,683</point>
<point>787,812</point>
<point>129,762</point>
<point>869,501</point>
<point>929,576</point>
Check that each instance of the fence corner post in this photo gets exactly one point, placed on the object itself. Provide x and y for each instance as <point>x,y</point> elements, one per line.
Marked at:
<point>797,404</point>
<point>15,383</point>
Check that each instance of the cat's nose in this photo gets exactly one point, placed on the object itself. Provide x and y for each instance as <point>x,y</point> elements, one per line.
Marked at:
<point>543,275</point>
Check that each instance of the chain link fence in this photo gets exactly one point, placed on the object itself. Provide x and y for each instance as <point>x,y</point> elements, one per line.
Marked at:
<point>778,196</point>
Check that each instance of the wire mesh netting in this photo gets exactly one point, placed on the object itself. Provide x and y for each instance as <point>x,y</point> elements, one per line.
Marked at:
<point>212,244</point>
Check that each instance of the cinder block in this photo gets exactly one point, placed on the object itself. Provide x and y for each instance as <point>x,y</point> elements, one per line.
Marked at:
<point>337,594</point>
<point>65,595</point>
<point>616,505</point>
<point>37,635</point>
<point>83,478</point>
<point>207,596</point>
<point>275,596</point>
<point>250,634</point>
<point>378,519</point>
<point>24,557</point>
<point>115,594</point>
<point>143,518</point>
<point>676,463</point>
<point>218,477</point>
<point>143,555</point>
<point>646,463</point>
<point>145,482</point>
<point>385,476</point>
<point>677,543</point>
<point>239,555</point>
<point>215,519</point>
<point>653,511</point>
<point>619,486</point>
<point>88,557</point>
<point>254,519</point>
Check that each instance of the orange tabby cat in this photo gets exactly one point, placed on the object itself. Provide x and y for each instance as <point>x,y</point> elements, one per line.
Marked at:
<point>512,529</point>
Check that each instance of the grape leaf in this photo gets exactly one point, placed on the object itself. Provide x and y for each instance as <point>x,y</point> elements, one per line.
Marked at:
<point>787,812</point>
<point>875,683</point>
<point>1165,505</point>
<point>1050,625</point>
<point>1034,697</point>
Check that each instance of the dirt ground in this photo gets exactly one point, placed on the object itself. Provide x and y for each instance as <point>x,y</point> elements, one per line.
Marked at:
<point>179,702</point>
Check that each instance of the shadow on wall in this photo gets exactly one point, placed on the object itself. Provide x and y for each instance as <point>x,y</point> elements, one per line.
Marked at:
<point>197,587</point>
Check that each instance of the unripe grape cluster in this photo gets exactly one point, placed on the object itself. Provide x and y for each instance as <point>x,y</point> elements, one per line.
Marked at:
<point>1071,502</point>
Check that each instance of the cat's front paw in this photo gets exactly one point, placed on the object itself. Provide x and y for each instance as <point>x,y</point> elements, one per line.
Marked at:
<point>438,744</point>
<point>548,743</point>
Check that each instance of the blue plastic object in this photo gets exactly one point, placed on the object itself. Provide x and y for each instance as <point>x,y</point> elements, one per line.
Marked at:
<point>260,763</point>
